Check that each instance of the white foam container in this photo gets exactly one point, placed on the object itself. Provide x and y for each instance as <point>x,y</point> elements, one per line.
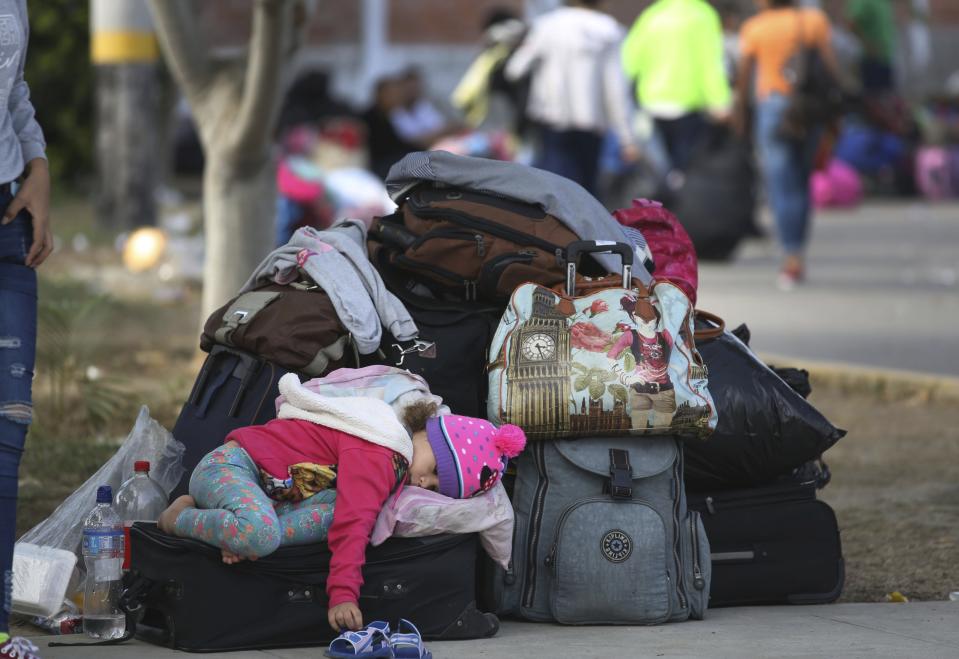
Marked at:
<point>41,576</point>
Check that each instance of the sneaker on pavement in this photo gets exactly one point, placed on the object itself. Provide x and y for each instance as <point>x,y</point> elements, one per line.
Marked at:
<point>791,274</point>
<point>787,281</point>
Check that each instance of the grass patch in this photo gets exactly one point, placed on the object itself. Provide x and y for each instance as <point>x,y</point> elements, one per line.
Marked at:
<point>98,361</point>
<point>99,358</point>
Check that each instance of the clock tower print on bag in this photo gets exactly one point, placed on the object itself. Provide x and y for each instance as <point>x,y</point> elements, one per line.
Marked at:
<point>539,366</point>
<point>616,360</point>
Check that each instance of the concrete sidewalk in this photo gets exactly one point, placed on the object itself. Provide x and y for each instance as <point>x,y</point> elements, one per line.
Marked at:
<point>882,290</point>
<point>920,629</point>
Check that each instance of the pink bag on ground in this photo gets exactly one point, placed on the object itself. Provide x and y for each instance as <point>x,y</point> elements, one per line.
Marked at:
<point>934,176</point>
<point>838,185</point>
<point>672,248</point>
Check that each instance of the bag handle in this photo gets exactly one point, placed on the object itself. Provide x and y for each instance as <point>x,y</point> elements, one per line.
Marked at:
<point>589,284</point>
<point>575,249</point>
<point>709,333</point>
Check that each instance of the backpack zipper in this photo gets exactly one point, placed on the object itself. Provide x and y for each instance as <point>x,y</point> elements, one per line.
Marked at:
<point>698,581</point>
<point>536,515</point>
<point>677,525</point>
<point>470,294</point>
<point>466,236</point>
<point>480,245</point>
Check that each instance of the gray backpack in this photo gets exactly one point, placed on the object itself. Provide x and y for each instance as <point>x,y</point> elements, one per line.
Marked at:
<point>603,535</point>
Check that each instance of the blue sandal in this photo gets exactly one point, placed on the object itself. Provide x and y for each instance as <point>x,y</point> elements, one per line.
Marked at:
<point>407,642</point>
<point>371,641</point>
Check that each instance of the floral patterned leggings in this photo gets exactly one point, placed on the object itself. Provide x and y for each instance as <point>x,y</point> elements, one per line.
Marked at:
<point>234,513</point>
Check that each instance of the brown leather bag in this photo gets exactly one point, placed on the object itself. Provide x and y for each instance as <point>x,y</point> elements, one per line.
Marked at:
<point>294,326</point>
<point>475,245</point>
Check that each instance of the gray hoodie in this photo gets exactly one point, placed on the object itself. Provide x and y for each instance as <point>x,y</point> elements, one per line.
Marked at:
<point>21,139</point>
<point>336,260</point>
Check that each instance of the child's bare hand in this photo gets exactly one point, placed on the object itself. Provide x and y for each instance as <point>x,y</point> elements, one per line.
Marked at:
<point>345,616</point>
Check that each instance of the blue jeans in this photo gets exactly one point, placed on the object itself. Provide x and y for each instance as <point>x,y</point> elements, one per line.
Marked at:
<point>18,337</point>
<point>786,167</point>
<point>570,153</point>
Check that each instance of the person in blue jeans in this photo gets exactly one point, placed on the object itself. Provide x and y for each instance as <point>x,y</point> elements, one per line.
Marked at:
<point>25,242</point>
<point>769,43</point>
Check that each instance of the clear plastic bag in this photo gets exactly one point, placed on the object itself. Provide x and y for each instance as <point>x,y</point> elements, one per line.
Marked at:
<point>148,440</point>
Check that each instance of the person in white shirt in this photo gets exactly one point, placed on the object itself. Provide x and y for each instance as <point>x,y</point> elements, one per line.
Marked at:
<point>418,120</point>
<point>578,90</point>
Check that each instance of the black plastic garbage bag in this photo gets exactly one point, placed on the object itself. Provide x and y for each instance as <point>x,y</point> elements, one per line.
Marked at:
<point>765,429</point>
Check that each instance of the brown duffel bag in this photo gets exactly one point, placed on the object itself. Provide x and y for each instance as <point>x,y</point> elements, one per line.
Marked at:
<point>294,326</point>
<point>471,244</point>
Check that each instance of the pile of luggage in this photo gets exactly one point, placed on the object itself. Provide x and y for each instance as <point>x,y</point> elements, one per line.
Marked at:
<point>667,468</point>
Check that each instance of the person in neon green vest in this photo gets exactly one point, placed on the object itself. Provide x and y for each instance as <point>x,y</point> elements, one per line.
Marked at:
<point>674,51</point>
<point>874,22</point>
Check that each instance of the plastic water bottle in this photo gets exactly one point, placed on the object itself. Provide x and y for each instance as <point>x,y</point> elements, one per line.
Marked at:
<point>103,555</point>
<point>139,499</point>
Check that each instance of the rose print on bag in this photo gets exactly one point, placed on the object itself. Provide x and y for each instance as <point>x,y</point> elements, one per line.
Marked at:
<point>587,336</point>
<point>598,306</point>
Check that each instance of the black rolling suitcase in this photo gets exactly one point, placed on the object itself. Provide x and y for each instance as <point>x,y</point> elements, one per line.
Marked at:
<point>233,389</point>
<point>192,601</point>
<point>772,545</point>
<point>716,202</point>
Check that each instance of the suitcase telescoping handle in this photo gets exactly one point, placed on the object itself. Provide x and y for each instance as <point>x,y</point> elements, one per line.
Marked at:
<point>575,249</point>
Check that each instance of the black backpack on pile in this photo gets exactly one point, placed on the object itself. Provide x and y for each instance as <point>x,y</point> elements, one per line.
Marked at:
<point>450,350</point>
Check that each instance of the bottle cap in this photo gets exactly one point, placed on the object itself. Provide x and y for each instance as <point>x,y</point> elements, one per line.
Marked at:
<point>141,465</point>
<point>104,494</point>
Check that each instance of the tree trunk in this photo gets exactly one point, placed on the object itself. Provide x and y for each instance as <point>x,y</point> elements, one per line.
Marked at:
<point>235,105</point>
<point>235,245</point>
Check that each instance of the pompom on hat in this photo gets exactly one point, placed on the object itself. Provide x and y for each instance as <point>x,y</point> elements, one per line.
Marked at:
<point>471,454</point>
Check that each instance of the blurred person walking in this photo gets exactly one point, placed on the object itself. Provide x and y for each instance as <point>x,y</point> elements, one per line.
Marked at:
<point>674,51</point>
<point>484,95</point>
<point>25,242</point>
<point>874,23</point>
<point>384,143</point>
<point>771,43</point>
<point>417,119</point>
<point>578,91</point>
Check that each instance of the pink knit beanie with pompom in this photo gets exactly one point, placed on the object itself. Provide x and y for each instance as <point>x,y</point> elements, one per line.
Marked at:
<point>471,454</point>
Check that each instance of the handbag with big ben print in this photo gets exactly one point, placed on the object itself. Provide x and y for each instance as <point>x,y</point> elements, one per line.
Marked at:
<point>610,359</point>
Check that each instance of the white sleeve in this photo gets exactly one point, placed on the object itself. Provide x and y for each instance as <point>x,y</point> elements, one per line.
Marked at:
<point>521,62</point>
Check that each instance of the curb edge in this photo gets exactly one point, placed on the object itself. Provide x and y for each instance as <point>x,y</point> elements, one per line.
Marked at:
<point>928,387</point>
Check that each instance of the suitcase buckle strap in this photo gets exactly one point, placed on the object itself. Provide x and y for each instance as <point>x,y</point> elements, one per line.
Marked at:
<point>418,346</point>
<point>620,474</point>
